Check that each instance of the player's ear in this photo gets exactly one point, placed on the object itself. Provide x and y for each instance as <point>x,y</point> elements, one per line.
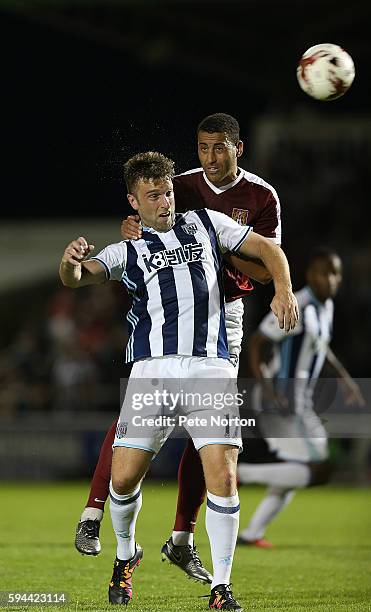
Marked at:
<point>239,148</point>
<point>133,201</point>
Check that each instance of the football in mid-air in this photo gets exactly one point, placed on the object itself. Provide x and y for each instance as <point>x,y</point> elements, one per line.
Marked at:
<point>325,72</point>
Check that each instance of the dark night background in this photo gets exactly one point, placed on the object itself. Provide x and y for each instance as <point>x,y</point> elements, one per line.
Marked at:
<point>84,85</point>
<point>87,84</point>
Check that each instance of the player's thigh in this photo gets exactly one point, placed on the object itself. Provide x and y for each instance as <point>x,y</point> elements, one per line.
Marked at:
<point>208,367</point>
<point>301,449</point>
<point>202,396</point>
<point>219,462</point>
<point>212,419</point>
<point>145,422</point>
<point>129,466</point>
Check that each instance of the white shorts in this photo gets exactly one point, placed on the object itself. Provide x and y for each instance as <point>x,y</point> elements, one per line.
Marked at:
<point>197,393</point>
<point>234,326</point>
<point>297,437</point>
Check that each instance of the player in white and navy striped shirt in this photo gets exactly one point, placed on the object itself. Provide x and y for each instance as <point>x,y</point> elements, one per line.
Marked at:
<point>178,313</point>
<point>178,331</point>
<point>220,185</point>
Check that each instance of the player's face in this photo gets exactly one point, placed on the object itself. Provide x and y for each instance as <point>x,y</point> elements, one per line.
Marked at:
<point>324,277</point>
<point>218,157</point>
<point>155,203</point>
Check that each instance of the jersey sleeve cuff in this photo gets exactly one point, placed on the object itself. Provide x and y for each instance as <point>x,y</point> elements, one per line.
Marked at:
<point>106,268</point>
<point>237,246</point>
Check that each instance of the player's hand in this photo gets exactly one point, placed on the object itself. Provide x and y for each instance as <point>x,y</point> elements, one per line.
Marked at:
<point>285,306</point>
<point>77,251</point>
<point>131,228</point>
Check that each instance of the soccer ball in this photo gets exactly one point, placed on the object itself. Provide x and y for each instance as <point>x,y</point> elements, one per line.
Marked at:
<point>325,72</point>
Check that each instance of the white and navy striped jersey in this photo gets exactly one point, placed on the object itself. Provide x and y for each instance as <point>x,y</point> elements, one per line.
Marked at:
<point>299,355</point>
<point>175,280</point>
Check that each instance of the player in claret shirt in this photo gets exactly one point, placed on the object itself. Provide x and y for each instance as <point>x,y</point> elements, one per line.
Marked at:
<point>219,184</point>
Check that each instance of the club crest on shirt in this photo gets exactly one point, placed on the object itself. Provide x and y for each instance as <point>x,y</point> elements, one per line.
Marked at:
<point>240,215</point>
<point>121,430</point>
<point>189,228</point>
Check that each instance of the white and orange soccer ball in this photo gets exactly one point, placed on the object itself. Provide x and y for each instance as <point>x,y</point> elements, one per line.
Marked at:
<point>325,72</point>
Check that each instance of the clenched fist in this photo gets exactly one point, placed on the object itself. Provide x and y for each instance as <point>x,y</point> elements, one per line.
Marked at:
<point>76,251</point>
<point>70,270</point>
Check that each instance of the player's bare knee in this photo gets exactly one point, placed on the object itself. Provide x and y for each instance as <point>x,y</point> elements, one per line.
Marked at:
<point>124,484</point>
<point>319,473</point>
<point>223,482</point>
<point>220,467</point>
<point>129,466</point>
<point>229,481</point>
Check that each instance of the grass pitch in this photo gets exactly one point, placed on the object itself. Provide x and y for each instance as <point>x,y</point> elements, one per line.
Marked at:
<point>322,559</point>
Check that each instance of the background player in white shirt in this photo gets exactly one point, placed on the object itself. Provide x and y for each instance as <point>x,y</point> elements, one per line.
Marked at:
<point>294,452</point>
<point>164,262</point>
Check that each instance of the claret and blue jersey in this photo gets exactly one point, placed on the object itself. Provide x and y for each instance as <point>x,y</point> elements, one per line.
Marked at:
<point>175,280</point>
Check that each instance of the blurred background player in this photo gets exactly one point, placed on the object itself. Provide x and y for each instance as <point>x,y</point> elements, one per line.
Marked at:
<point>222,186</point>
<point>287,367</point>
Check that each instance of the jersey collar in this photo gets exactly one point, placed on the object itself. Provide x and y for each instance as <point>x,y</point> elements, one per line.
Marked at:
<point>146,228</point>
<point>151,230</point>
<point>224,187</point>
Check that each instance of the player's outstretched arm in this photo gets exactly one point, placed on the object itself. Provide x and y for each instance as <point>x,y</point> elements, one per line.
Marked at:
<point>353,394</point>
<point>131,228</point>
<point>284,304</point>
<point>74,271</point>
<point>253,268</point>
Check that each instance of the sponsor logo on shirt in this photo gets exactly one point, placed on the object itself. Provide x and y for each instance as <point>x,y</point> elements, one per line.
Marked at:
<point>187,253</point>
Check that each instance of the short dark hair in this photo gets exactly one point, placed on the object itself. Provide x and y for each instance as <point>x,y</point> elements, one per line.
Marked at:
<point>221,122</point>
<point>322,253</point>
<point>147,166</point>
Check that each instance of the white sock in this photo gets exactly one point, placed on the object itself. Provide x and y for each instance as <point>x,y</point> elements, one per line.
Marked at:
<point>91,514</point>
<point>274,501</point>
<point>288,475</point>
<point>124,512</point>
<point>182,538</point>
<point>222,520</point>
